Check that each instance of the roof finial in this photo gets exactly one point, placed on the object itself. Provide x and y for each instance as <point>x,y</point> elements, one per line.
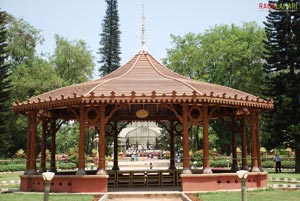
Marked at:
<point>143,27</point>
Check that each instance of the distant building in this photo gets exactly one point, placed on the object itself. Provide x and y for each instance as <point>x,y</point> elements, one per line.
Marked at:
<point>140,134</point>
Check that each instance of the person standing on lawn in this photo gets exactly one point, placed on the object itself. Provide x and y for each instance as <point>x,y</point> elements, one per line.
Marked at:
<point>277,163</point>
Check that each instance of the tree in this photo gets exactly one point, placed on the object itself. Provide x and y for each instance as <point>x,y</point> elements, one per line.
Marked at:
<point>72,61</point>
<point>23,39</point>
<point>31,78</point>
<point>30,75</point>
<point>67,137</point>
<point>4,83</point>
<point>110,39</point>
<point>228,55</point>
<point>282,77</point>
<point>34,78</point>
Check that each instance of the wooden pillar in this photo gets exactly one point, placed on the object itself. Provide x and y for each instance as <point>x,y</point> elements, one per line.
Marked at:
<point>32,168</point>
<point>102,141</point>
<point>28,157</point>
<point>244,146</point>
<point>116,144</point>
<point>81,158</point>
<point>206,161</point>
<point>235,166</point>
<point>254,161</point>
<point>43,146</point>
<point>53,146</point>
<point>172,147</point>
<point>258,143</point>
<point>185,140</point>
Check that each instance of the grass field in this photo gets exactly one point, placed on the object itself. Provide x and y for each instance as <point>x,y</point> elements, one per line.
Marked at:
<point>39,197</point>
<point>266,195</point>
<point>284,175</point>
<point>10,176</point>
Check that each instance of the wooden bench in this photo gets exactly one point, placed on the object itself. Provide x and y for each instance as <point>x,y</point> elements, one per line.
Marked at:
<point>178,177</point>
<point>123,178</point>
<point>138,178</point>
<point>167,178</point>
<point>112,179</point>
<point>144,178</point>
<point>153,178</point>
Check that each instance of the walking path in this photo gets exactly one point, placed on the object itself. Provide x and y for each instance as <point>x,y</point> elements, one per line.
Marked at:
<point>285,183</point>
<point>9,182</point>
<point>141,196</point>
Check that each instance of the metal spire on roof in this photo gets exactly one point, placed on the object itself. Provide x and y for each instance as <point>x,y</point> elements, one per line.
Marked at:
<point>143,27</point>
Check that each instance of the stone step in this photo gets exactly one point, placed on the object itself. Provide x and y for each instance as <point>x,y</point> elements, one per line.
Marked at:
<point>282,179</point>
<point>9,182</point>
<point>286,186</point>
<point>145,196</point>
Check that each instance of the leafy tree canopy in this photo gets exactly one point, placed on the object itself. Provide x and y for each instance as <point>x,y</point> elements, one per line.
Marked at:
<point>23,39</point>
<point>228,55</point>
<point>32,74</point>
<point>72,61</point>
<point>225,54</point>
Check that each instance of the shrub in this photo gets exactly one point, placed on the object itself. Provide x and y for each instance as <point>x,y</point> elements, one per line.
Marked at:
<point>288,164</point>
<point>20,153</point>
<point>221,163</point>
<point>198,155</point>
<point>67,166</point>
<point>268,164</point>
<point>12,167</point>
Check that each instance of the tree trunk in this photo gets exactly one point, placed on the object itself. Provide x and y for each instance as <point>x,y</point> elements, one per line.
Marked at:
<point>297,160</point>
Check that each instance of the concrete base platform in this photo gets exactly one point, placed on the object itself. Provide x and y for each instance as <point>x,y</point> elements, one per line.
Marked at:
<point>221,181</point>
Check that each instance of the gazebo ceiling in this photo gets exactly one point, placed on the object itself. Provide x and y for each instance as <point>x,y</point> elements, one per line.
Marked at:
<point>142,80</point>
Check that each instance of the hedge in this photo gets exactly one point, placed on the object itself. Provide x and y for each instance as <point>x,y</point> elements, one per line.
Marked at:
<point>288,164</point>
<point>66,166</point>
<point>10,167</point>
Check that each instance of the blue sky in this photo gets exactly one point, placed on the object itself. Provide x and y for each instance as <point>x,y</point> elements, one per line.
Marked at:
<point>82,19</point>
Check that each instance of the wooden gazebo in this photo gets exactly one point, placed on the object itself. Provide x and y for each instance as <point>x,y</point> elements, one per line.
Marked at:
<point>141,90</point>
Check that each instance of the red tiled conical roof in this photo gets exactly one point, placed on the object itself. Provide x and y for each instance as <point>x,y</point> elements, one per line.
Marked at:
<point>143,79</point>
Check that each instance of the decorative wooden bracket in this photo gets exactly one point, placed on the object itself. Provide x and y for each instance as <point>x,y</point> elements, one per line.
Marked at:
<point>211,112</point>
<point>173,110</point>
<point>116,108</point>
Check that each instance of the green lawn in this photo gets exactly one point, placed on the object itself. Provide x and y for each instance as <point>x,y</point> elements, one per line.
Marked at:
<point>39,197</point>
<point>17,186</point>
<point>266,195</point>
<point>10,176</point>
<point>284,175</point>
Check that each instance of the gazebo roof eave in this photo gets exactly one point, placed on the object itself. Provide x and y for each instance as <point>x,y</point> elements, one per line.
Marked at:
<point>194,99</point>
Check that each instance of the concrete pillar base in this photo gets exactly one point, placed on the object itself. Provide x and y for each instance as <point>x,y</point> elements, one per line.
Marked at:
<point>207,171</point>
<point>235,168</point>
<point>32,172</point>
<point>81,172</point>
<point>41,170</point>
<point>245,167</point>
<point>101,172</point>
<point>187,171</point>
<point>255,169</point>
